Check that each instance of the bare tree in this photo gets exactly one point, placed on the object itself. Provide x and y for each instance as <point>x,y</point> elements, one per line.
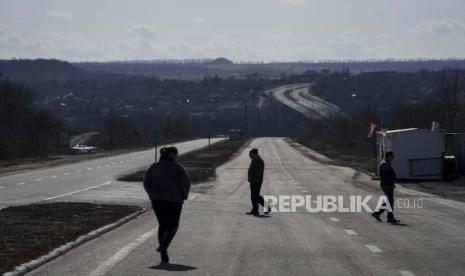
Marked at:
<point>450,90</point>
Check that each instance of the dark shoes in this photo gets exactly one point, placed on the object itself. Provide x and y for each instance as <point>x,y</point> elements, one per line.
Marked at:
<point>164,256</point>
<point>268,211</point>
<point>255,213</point>
<point>389,220</point>
<point>376,216</point>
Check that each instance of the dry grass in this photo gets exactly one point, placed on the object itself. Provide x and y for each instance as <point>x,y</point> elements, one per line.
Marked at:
<point>28,232</point>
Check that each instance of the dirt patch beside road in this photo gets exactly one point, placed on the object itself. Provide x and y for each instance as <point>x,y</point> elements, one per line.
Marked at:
<point>200,164</point>
<point>28,232</point>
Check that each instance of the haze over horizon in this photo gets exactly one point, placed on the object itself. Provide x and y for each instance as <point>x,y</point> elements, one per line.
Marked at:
<point>243,30</point>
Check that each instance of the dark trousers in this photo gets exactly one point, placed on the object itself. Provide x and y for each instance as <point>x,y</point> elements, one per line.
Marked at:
<point>255,196</point>
<point>168,214</point>
<point>389,193</point>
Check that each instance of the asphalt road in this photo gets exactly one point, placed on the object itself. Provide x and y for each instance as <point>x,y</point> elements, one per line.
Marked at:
<point>75,182</point>
<point>217,238</point>
<point>297,97</point>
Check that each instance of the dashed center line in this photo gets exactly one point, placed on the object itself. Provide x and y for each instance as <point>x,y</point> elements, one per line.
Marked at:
<point>53,176</point>
<point>38,179</point>
<point>334,219</point>
<point>78,171</point>
<point>1,187</point>
<point>304,191</point>
<point>373,248</point>
<point>89,169</point>
<point>20,184</point>
<point>107,265</point>
<point>66,173</point>
<point>350,232</point>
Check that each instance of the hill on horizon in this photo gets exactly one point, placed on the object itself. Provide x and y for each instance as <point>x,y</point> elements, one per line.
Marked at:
<point>38,69</point>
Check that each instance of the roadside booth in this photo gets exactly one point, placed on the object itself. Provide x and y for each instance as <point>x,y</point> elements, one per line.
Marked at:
<point>419,152</point>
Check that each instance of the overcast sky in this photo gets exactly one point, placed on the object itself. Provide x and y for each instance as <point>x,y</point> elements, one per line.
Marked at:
<point>241,30</point>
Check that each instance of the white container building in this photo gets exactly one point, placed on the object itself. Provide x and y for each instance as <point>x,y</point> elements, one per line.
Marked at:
<point>419,152</point>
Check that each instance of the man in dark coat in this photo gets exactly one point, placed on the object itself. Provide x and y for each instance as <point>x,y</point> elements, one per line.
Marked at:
<point>255,177</point>
<point>388,183</point>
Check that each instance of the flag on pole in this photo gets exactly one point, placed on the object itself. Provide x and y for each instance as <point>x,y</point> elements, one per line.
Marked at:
<point>372,128</point>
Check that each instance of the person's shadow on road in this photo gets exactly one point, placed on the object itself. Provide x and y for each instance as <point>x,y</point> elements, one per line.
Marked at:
<point>262,216</point>
<point>172,267</point>
<point>399,224</point>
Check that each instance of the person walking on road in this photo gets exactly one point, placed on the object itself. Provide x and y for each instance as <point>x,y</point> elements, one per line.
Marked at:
<point>167,185</point>
<point>388,180</point>
<point>255,177</point>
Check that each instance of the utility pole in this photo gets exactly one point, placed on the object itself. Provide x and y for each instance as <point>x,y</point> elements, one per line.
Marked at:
<point>155,138</point>
<point>259,119</point>
<point>245,116</point>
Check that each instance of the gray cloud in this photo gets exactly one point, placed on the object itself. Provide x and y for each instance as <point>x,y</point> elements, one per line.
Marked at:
<point>444,26</point>
<point>144,31</point>
<point>292,2</point>
<point>60,14</point>
<point>344,46</point>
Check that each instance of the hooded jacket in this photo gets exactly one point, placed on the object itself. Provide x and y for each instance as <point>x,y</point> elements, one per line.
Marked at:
<point>167,180</point>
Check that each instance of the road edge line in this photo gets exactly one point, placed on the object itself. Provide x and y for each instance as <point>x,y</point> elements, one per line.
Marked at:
<point>31,265</point>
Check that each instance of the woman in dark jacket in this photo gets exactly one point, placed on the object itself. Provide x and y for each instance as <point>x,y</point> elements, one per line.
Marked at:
<point>167,184</point>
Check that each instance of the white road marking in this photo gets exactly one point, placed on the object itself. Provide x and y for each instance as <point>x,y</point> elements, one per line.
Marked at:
<point>114,163</point>
<point>89,169</point>
<point>106,266</point>
<point>350,232</point>
<point>1,187</point>
<point>304,191</point>
<point>78,171</point>
<point>53,176</point>
<point>67,173</point>
<point>106,165</point>
<point>98,167</point>
<point>373,248</point>
<point>20,184</point>
<point>334,219</point>
<point>38,179</point>
<point>406,273</point>
<point>75,192</point>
